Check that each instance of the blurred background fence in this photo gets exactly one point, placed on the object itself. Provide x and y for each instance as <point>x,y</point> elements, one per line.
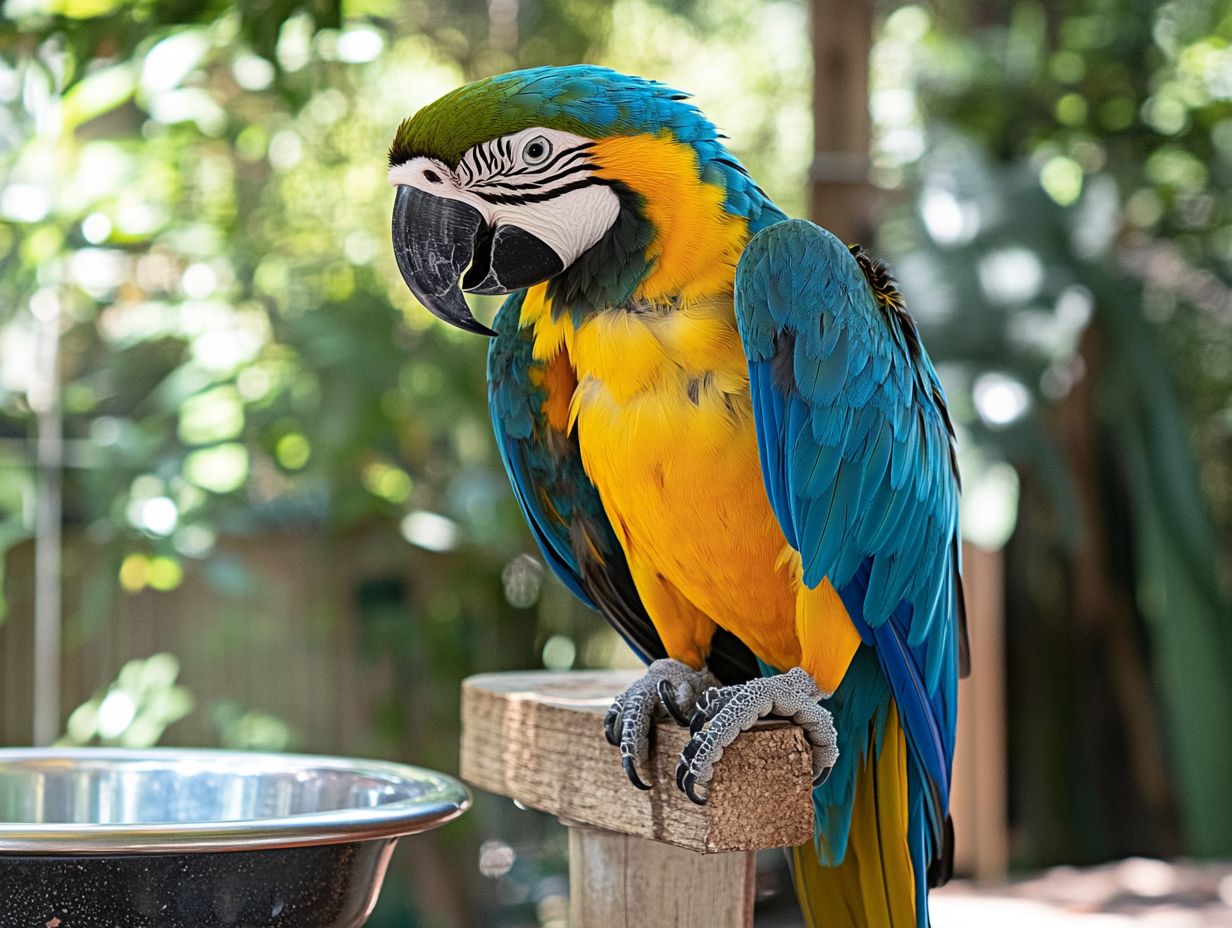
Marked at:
<point>284,522</point>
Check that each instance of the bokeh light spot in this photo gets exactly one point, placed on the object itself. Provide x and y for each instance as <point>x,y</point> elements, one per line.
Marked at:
<point>293,451</point>
<point>430,531</point>
<point>386,481</point>
<point>1061,178</point>
<point>134,571</point>
<point>164,573</point>
<point>496,858</point>
<point>1000,399</point>
<point>559,652</point>
<point>95,228</point>
<point>220,469</point>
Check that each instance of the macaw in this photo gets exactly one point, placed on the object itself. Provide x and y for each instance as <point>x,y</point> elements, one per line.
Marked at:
<point>725,435</point>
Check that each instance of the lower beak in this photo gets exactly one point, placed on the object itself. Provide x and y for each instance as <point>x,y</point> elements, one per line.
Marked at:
<point>437,239</point>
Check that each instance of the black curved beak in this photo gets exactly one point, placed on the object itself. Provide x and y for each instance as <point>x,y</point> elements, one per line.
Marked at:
<point>443,247</point>
<point>434,241</point>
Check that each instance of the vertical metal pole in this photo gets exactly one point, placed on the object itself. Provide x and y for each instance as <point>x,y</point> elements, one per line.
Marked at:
<point>840,194</point>
<point>45,400</point>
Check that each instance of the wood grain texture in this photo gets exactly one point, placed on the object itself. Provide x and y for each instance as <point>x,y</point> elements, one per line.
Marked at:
<point>620,880</point>
<point>538,738</point>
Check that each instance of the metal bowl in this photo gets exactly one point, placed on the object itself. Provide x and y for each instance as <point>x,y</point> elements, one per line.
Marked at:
<point>97,838</point>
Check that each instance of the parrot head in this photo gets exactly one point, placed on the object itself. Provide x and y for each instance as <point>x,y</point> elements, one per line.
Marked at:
<point>573,175</point>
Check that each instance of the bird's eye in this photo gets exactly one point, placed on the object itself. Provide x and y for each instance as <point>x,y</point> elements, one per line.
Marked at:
<point>536,151</point>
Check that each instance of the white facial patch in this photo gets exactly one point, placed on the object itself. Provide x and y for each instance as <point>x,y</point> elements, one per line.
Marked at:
<point>570,222</point>
<point>539,180</point>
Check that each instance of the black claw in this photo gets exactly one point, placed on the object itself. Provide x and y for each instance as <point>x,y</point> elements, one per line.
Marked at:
<point>822,777</point>
<point>698,722</point>
<point>690,783</point>
<point>631,770</point>
<point>681,770</point>
<point>669,703</point>
<point>690,751</point>
<point>609,726</point>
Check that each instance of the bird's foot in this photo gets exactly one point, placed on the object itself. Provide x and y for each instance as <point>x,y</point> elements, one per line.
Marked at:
<point>723,712</point>
<point>668,687</point>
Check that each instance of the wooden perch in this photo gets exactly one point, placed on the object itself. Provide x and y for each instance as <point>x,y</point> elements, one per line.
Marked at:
<point>538,738</point>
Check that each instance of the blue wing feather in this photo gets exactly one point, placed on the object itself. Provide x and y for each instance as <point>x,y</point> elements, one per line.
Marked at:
<point>855,449</point>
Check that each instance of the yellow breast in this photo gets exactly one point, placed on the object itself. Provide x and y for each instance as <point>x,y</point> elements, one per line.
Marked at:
<point>665,426</point>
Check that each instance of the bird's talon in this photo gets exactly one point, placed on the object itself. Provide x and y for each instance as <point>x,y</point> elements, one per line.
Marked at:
<point>668,698</point>
<point>610,725</point>
<point>706,698</point>
<point>631,771</point>
<point>690,751</point>
<point>722,713</point>
<point>690,785</point>
<point>821,778</point>
<point>668,688</point>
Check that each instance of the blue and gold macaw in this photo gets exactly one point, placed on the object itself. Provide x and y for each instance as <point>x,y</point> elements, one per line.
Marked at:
<point>726,437</point>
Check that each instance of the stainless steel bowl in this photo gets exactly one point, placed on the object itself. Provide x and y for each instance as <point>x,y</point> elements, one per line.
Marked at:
<point>198,839</point>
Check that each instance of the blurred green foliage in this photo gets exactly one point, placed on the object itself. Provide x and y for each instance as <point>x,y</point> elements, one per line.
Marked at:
<point>135,710</point>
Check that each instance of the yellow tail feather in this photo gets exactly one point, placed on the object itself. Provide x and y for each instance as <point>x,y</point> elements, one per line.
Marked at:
<point>874,886</point>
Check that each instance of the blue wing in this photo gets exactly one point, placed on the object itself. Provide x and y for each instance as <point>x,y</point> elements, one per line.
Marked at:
<point>858,461</point>
<point>561,505</point>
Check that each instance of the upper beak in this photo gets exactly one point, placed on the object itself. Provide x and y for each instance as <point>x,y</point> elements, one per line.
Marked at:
<point>437,239</point>
<point>434,241</point>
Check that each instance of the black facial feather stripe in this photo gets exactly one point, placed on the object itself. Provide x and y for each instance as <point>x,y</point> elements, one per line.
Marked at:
<point>537,184</point>
<point>497,156</point>
<point>478,162</point>
<point>520,198</point>
<point>539,175</point>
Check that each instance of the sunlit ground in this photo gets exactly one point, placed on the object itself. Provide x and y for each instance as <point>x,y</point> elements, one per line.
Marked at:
<point>1133,892</point>
<point>1127,894</point>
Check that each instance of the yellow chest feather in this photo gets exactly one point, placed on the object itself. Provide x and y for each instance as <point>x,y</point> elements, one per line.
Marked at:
<point>665,426</point>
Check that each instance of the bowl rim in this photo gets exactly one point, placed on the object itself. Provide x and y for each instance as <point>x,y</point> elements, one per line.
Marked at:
<point>445,799</point>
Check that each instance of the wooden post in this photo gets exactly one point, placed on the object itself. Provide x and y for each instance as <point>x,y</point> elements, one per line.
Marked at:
<point>538,738</point>
<point>617,879</point>
<point>840,191</point>
<point>978,801</point>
